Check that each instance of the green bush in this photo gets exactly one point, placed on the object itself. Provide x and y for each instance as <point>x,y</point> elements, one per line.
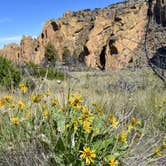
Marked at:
<point>39,71</point>
<point>51,73</point>
<point>10,75</point>
<point>66,57</point>
<point>50,53</point>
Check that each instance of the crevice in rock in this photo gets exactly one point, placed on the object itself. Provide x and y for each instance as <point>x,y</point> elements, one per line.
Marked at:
<point>79,30</point>
<point>133,7</point>
<point>54,26</point>
<point>160,13</point>
<point>42,35</point>
<point>131,60</point>
<point>113,49</point>
<point>117,19</point>
<point>84,53</point>
<point>18,55</point>
<point>91,27</point>
<point>103,58</point>
<point>159,58</point>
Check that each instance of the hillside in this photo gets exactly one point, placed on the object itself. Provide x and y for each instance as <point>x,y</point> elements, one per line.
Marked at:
<point>105,38</point>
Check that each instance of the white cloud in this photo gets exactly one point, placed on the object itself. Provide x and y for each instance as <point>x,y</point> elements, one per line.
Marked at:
<point>5,19</point>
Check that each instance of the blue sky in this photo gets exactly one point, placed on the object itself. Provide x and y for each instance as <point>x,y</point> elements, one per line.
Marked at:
<point>26,17</point>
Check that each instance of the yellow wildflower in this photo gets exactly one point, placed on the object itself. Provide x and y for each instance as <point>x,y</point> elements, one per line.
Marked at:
<point>86,118</point>
<point>67,125</point>
<point>7,98</point>
<point>15,120</point>
<point>54,102</point>
<point>135,122</point>
<point>78,98</point>
<point>112,161</point>
<point>12,105</point>
<point>20,104</point>
<point>130,127</point>
<point>47,93</point>
<point>37,98</point>
<point>164,145</point>
<point>77,106</point>
<point>75,125</point>
<point>98,108</point>
<point>75,101</point>
<point>87,127</point>
<point>84,110</point>
<point>71,101</point>
<point>23,88</point>
<point>2,103</point>
<point>87,115</point>
<point>123,136</point>
<point>158,152</point>
<point>88,155</point>
<point>113,121</point>
<point>45,113</point>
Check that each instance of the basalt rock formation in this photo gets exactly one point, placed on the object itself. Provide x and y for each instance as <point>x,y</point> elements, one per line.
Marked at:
<point>104,38</point>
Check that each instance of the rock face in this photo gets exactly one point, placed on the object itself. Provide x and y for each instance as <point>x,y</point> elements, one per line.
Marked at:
<point>11,51</point>
<point>99,35</point>
<point>104,38</point>
<point>160,12</point>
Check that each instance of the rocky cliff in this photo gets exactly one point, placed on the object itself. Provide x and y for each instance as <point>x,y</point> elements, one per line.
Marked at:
<point>104,38</point>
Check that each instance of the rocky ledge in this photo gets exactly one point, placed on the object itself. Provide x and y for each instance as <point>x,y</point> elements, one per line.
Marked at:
<point>104,38</point>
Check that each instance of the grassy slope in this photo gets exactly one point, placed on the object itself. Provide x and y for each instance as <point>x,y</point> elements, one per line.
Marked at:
<point>123,93</point>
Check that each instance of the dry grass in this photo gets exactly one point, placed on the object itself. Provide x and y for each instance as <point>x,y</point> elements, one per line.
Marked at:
<point>123,93</point>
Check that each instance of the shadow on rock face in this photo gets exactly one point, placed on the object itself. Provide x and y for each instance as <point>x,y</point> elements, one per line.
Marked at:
<point>159,58</point>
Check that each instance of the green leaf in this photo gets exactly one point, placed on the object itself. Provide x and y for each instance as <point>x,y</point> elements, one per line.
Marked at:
<point>117,154</point>
<point>56,160</point>
<point>69,134</point>
<point>123,148</point>
<point>69,158</point>
<point>55,125</point>
<point>103,144</point>
<point>60,147</point>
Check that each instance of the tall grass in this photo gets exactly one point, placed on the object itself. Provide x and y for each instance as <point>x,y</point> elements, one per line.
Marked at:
<point>118,117</point>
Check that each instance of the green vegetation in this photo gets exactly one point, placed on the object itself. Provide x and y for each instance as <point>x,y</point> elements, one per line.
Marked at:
<point>66,57</point>
<point>120,120</point>
<point>10,75</point>
<point>51,53</point>
<point>39,71</point>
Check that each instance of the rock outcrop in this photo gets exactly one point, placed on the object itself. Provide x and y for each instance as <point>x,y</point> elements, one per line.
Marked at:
<point>160,12</point>
<point>11,51</point>
<point>104,38</point>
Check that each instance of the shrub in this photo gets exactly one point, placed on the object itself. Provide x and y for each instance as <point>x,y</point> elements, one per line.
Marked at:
<point>50,53</point>
<point>66,57</point>
<point>74,133</point>
<point>39,71</point>
<point>10,75</point>
<point>52,73</point>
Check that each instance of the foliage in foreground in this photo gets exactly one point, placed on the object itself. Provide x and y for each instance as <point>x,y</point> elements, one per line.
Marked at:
<point>72,132</point>
<point>10,75</point>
